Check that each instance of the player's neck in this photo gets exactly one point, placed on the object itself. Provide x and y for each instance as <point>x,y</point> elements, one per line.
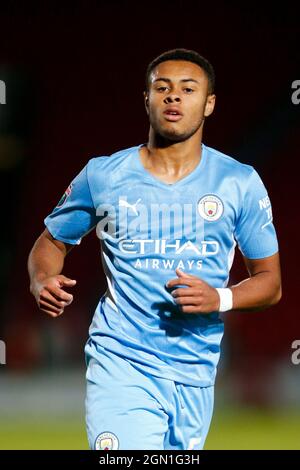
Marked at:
<point>172,158</point>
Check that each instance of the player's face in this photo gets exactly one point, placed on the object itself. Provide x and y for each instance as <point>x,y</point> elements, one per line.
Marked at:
<point>178,99</point>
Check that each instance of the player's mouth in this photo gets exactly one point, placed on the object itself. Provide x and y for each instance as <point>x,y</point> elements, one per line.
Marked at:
<point>173,114</point>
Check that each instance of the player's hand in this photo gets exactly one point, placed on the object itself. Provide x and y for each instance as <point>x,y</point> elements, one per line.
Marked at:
<point>50,294</point>
<point>197,297</point>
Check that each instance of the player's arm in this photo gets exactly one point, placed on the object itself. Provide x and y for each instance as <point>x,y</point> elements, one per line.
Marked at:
<point>257,240</point>
<point>45,263</point>
<point>263,286</point>
<point>261,290</point>
<point>72,218</point>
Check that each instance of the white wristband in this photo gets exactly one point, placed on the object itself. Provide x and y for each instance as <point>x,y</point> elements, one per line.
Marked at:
<point>226,301</point>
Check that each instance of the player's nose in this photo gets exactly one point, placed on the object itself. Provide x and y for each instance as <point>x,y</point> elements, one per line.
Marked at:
<point>172,98</point>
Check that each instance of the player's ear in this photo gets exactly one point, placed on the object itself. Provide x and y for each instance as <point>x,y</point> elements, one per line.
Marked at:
<point>146,101</point>
<point>210,105</point>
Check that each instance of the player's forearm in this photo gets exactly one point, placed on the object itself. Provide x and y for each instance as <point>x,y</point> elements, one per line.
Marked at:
<point>257,292</point>
<point>45,259</point>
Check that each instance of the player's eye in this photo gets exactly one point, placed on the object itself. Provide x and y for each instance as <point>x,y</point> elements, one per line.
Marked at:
<point>188,90</point>
<point>162,88</point>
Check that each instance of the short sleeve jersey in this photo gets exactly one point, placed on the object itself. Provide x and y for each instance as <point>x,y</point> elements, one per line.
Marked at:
<point>147,229</point>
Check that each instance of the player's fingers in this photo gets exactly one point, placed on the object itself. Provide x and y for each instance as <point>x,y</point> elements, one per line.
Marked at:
<point>184,274</point>
<point>188,301</point>
<point>186,291</point>
<point>65,281</point>
<point>49,312</point>
<point>59,294</point>
<point>191,309</point>
<point>45,305</point>
<point>182,281</point>
<point>48,297</point>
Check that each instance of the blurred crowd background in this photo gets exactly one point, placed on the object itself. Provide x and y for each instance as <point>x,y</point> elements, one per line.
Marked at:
<point>74,81</point>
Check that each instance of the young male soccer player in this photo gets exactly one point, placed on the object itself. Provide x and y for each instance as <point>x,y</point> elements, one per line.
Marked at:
<point>168,214</point>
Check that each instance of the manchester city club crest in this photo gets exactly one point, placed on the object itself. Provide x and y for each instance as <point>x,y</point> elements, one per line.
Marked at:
<point>107,441</point>
<point>210,207</point>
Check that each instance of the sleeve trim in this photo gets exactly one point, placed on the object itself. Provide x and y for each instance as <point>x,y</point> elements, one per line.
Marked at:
<point>63,239</point>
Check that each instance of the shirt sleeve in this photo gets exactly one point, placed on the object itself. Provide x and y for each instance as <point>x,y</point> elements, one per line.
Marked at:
<point>75,214</point>
<point>255,232</point>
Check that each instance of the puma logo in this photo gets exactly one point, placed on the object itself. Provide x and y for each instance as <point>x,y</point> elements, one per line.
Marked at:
<point>123,203</point>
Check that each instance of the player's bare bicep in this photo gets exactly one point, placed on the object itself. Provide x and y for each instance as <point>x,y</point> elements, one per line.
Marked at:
<point>268,264</point>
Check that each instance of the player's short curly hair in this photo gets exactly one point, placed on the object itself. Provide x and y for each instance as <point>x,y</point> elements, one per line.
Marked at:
<point>188,55</point>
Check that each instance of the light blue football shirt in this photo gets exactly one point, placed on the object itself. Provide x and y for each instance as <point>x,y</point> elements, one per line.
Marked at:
<point>148,228</point>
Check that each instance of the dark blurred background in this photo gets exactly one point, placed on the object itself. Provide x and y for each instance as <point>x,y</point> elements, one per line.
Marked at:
<point>74,79</point>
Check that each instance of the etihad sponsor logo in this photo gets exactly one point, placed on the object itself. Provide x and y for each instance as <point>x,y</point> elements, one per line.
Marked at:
<point>168,264</point>
<point>136,246</point>
<point>139,247</point>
